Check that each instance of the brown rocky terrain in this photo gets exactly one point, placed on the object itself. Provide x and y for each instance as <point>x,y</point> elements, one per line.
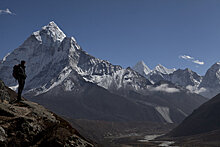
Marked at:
<point>28,124</point>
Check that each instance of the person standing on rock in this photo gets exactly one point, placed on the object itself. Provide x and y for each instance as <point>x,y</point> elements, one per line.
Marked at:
<point>20,75</point>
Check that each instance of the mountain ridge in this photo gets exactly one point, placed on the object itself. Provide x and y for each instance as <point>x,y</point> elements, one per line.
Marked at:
<point>187,78</point>
<point>58,68</point>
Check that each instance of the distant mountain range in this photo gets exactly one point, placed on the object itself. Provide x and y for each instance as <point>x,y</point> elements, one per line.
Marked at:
<point>69,81</point>
<point>208,85</point>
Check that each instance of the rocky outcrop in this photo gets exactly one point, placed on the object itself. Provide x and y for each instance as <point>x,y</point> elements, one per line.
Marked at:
<point>28,124</point>
<point>4,96</point>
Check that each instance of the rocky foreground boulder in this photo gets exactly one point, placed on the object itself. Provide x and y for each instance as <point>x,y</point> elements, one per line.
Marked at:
<point>28,124</point>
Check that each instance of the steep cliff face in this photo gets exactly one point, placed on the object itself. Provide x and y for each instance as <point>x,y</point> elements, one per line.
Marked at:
<point>26,124</point>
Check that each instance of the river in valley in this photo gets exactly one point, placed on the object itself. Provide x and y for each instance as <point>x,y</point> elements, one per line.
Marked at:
<point>162,143</point>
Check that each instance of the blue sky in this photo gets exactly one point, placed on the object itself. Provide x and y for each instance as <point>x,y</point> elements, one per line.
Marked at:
<point>174,33</point>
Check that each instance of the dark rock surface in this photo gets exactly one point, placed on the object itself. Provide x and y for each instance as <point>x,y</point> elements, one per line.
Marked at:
<point>28,124</point>
<point>4,96</point>
<point>204,119</point>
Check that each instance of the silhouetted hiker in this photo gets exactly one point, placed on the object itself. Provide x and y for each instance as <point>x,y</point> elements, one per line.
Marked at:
<point>20,75</point>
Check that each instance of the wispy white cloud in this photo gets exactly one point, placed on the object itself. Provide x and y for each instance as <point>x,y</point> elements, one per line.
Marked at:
<point>165,88</point>
<point>192,59</point>
<point>194,89</point>
<point>6,11</point>
<point>186,57</point>
<point>198,62</point>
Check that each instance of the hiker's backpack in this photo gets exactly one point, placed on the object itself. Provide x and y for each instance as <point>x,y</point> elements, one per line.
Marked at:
<point>15,71</point>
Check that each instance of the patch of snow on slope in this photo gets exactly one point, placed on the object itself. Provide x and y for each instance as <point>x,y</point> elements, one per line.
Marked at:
<point>14,87</point>
<point>62,76</point>
<point>4,59</point>
<point>182,112</point>
<point>69,85</point>
<point>165,113</point>
<point>142,68</point>
<point>106,81</point>
<point>163,69</point>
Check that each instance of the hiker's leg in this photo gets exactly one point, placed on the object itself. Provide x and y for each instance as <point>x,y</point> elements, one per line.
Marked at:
<point>20,88</point>
<point>22,84</point>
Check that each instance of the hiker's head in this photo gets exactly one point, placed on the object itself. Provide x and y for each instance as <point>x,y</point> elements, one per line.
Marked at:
<point>23,62</point>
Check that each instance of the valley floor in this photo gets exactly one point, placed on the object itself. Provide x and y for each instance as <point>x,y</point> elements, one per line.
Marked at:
<point>139,134</point>
<point>122,134</point>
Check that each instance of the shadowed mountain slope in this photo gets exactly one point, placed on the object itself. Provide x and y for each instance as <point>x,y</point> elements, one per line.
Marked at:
<point>204,119</point>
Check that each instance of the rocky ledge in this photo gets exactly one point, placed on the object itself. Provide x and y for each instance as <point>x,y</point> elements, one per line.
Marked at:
<point>28,124</point>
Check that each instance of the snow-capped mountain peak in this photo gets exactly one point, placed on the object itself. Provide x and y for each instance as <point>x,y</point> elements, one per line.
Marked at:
<point>142,68</point>
<point>211,79</point>
<point>48,52</point>
<point>185,77</point>
<point>40,51</point>
<point>48,32</point>
<point>214,71</point>
<point>57,66</point>
<point>160,68</point>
